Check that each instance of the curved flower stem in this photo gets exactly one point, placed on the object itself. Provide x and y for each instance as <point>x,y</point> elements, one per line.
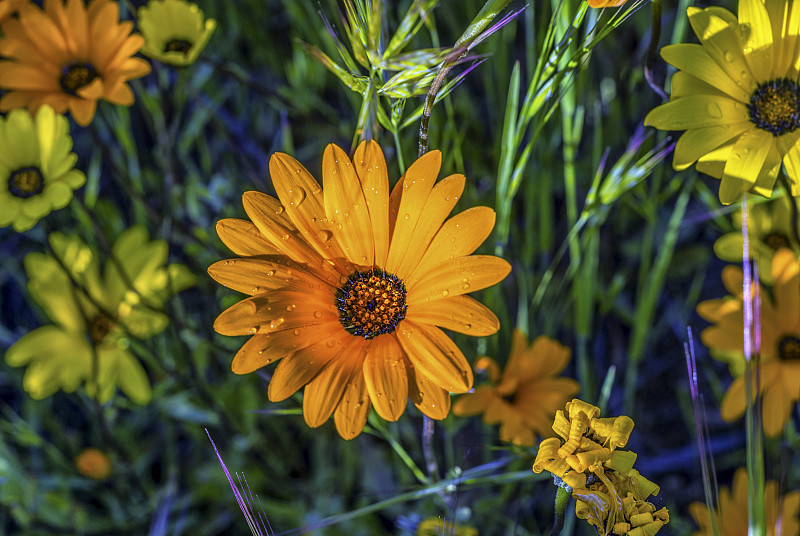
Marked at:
<point>655,35</point>
<point>562,500</point>
<point>427,448</point>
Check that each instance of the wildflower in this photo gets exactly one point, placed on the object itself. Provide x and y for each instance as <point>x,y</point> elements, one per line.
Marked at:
<point>434,526</point>
<point>528,394</point>
<point>610,494</point>
<point>36,167</point>
<point>93,463</point>
<point>9,7</point>
<point>174,31</point>
<point>733,513</point>
<point>95,315</point>
<point>69,56</point>
<point>769,228</point>
<point>349,287</point>
<point>780,341</point>
<point>736,95</point>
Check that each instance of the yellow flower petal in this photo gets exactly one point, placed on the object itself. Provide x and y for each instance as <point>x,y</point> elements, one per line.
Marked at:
<point>427,396</point>
<point>744,165</point>
<point>435,356</point>
<point>277,311</point>
<point>462,314</point>
<point>460,276</point>
<point>243,238</point>
<point>694,60</point>
<point>323,394</point>
<point>696,111</point>
<point>697,142</point>
<point>261,350</point>
<point>370,166</point>
<point>386,377</point>
<point>351,414</point>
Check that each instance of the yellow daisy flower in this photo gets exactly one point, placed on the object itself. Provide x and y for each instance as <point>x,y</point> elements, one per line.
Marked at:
<point>434,526</point>
<point>69,56</point>
<point>529,393</point>
<point>733,513</point>
<point>769,228</point>
<point>9,7</point>
<point>737,96</point>
<point>93,321</point>
<point>780,341</point>
<point>36,167</point>
<point>174,31</point>
<point>93,463</point>
<point>349,287</point>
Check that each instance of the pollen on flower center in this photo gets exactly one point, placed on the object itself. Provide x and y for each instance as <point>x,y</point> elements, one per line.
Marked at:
<point>25,182</point>
<point>775,106</point>
<point>77,75</point>
<point>178,45</point>
<point>789,348</point>
<point>371,303</point>
<point>776,241</point>
<point>99,326</point>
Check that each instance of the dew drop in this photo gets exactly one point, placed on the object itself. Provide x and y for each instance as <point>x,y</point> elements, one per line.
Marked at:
<point>290,308</point>
<point>330,343</point>
<point>445,293</point>
<point>714,110</point>
<point>729,57</point>
<point>285,236</point>
<point>317,314</point>
<point>465,286</point>
<point>406,217</point>
<point>252,331</point>
<point>296,332</point>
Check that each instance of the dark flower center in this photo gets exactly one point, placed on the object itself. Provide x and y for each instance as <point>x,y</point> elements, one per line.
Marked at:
<point>26,182</point>
<point>775,106</point>
<point>776,241</point>
<point>99,327</point>
<point>178,45</point>
<point>371,303</point>
<point>77,75</point>
<point>789,348</point>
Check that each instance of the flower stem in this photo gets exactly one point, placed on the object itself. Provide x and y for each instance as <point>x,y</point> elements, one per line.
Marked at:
<point>562,500</point>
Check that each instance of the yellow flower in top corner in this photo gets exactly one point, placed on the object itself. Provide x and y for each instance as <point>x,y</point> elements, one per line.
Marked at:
<point>528,394</point>
<point>174,31</point>
<point>95,314</point>
<point>9,7</point>
<point>350,288</point>
<point>733,513</point>
<point>434,526</point>
<point>69,56</point>
<point>36,167</point>
<point>737,96</point>
<point>780,341</point>
<point>769,229</point>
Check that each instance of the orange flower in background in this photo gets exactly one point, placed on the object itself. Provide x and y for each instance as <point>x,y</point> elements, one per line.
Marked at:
<point>733,513</point>
<point>9,7</point>
<point>93,463</point>
<point>780,341</point>
<point>69,56</point>
<point>528,394</point>
<point>351,287</point>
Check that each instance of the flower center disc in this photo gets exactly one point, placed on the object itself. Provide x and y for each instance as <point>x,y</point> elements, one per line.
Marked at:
<point>99,327</point>
<point>789,348</point>
<point>178,45</point>
<point>776,241</point>
<point>371,303</point>
<point>26,182</point>
<point>77,75</point>
<point>775,107</point>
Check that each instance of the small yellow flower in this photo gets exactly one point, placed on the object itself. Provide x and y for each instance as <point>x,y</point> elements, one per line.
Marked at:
<point>95,315</point>
<point>434,526</point>
<point>93,463</point>
<point>733,514</point>
<point>349,289</point>
<point>36,167</point>
<point>174,31</point>
<point>780,341</point>
<point>769,229</point>
<point>737,97</point>
<point>69,56</point>
<point>528,394</point>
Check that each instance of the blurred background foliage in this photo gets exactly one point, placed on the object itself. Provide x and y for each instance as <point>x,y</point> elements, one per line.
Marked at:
<point>547,131</point>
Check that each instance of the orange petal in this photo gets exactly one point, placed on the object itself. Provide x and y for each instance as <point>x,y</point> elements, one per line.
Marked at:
<point>255,276</point>
<point>76,27</point>
<point>346,207</point>
<point>416,186</point>
<point>510,380</point>
<point>243,238</point>
<point>386,378</point>
<point>21,76</point>
<point>777,409</point>
<point>440,203</point>
<point>474,403</point>
<point>82,110</point>
<point>301,367</point>
<point>435,356</point>
<point>302,197</point>
<point>351,414</point>
<point>370,166</point>
<point>429,398</point>
<point>276,311</point>
<point>459,236</point>
<point>462,314</point>
<point>261,350</point>
<point>323,393</point>
<point>459,276</point>
<point>786,278</point>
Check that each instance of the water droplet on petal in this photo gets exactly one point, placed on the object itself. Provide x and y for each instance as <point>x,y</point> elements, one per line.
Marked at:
<point>290,308</point>
<point>714,110</point>
<point>317,314</point>
<point>445,293</point>
<point>729,57</point>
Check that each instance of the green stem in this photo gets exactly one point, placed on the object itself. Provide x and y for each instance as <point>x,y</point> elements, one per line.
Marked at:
<point>562,500</point>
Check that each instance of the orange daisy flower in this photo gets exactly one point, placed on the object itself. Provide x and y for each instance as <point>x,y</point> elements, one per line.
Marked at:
<point>349,286</point>
<point>780,341</point>
<point>528,394</point>
<point>69,56</point>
